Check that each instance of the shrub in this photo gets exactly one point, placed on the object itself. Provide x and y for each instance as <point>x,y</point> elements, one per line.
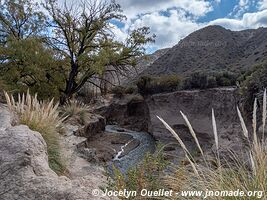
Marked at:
<point>152,85</point>
<point>252,83</point>
<point>143,84</point>
<point>118,91</point>
<point>131,90</point>
<point>196,81</point>
<point>199,80</point>
<point>75,110</point>
<point>147,175</point>
<point>42,117</point>
<point>226,79</point>
<point>243,175</point>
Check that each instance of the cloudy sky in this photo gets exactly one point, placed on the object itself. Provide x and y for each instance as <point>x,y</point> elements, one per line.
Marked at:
<point>172,20</point>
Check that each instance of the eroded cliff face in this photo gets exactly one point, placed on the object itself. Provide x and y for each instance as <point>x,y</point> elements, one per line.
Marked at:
<point>130,111</point>
<point>197,106</point>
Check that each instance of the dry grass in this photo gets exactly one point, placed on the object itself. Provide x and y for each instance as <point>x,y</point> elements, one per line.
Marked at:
<point>76,111</point>
<point>250,175</point>
<point>42,117</point>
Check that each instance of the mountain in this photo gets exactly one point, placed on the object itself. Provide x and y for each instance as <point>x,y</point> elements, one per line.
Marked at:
<point>212,49</point>
<point>142,64</point>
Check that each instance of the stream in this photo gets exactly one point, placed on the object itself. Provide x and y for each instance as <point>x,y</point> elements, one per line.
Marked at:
<point>131,159</point>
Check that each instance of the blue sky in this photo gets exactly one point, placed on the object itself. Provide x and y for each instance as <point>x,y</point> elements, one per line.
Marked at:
<point>172,20</point>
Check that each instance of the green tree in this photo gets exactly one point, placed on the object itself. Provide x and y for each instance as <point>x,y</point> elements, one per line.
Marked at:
<point>253,84</point>
<point>25,60</point>
<point>31,65</point>
<point>82,36</point>
<point>20,19</point>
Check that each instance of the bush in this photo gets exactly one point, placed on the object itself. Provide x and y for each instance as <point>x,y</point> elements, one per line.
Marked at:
<point>252,83</point>
<point>152,85</point>
<point>147,175</point>
<point>75,110</point>
<point>44,118</point>
<point>131,90</point>
<point>118,91</point>
<point>199,80</point>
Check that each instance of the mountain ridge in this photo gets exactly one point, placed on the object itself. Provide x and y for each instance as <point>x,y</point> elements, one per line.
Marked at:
<point>212,49</point>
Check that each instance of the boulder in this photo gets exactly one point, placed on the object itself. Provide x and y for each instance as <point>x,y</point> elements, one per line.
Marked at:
<point>130,111</point>
<point>95,125</point>
<point>24,169</point>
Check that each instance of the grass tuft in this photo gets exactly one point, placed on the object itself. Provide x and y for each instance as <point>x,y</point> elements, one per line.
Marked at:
<point>76,110</point>
<point>245,175</point>
<point>42,117</point>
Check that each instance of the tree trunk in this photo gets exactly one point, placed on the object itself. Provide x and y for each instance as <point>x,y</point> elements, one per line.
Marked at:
<point>70,84</point>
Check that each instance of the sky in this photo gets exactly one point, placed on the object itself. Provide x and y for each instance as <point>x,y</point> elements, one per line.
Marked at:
<point>172,20</point>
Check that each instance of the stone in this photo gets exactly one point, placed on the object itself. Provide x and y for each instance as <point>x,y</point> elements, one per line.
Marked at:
<point>130,111</point>
<point>197,106</point>
<point>95,125</point>
<point>89,154</point>
<point>24,169</point>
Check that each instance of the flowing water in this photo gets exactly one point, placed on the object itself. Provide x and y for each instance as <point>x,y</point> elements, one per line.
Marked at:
<point>131,159</point>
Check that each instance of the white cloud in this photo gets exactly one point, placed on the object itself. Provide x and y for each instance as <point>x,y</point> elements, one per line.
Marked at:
<point>249,20</point>
<point>262,4</point>
<point>133,8</point>
<point>242,7</point>
<point>172,20</point>
<point>168,29</point>
<point>119,34</point>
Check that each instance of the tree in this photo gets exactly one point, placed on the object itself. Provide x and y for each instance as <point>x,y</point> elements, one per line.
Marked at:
<point>82,36</point>
<point>31,65</point>
<point>253,83</point>
<point>25,61</point>
<point>20,19</point>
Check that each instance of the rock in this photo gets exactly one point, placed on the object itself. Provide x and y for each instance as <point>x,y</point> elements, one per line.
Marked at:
<point>94,126</point>
<point>130,111</point>
<point>134,143</point>
<point>261,131</point>
<point>24,169</point>
<point>197,106</point>
<point>121,139</point>
<point>89,154</point>
<point>169,148</point>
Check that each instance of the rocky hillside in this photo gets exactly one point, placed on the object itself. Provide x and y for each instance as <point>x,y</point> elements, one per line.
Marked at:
<point>142,64</point>
<point>213,48</point>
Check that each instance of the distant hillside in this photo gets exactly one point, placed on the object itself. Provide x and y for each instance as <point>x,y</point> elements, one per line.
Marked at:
<point>142,64</point>
<point>212,49</point>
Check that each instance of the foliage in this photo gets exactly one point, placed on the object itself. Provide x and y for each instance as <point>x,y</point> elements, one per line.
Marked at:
<point>252,83</point>
<point>147,175</point>
<point>74,109</point>
<point>56,53</point>
<point>246,175</point>
<point>119,91</point>
<point>28,64</point>
<point>199,80</point>
<point>81,36</point>
<point>152,85</point>
<point>20,19</point>
<point>44,118</point>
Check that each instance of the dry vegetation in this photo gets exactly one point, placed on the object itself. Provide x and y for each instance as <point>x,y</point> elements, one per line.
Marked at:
<point>43,117</point>
<point>250,175</point>
<point>75,111</point>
